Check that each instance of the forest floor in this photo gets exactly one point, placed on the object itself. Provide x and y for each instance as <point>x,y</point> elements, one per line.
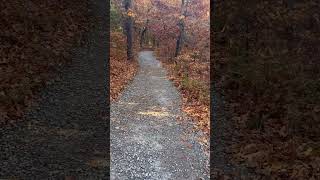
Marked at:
<point>191,78</point>
<point>151,138</point>
<point>64,135</point>
<point>36,40</point>
<point>122,71</point>
<point>222,139</point>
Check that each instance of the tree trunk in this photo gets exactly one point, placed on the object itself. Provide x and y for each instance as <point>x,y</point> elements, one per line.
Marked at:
<point>129,29</point>
<point>142,36</point>
<point>181,30</point>
<point>179,39</point>
<point>154,42</point>
<point>143,33</point>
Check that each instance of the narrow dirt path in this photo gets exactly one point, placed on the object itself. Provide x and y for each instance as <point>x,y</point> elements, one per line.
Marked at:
<point>65,134</point>
<point>147,140</point>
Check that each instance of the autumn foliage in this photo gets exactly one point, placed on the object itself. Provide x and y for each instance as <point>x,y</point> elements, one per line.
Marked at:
<point>165,21</point>
<point>190,70</point>
<point>191,77</point>
<point>121,70</point>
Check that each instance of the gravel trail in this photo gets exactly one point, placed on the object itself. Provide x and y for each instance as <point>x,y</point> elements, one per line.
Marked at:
<point>66,133</point>
<point>147,140</point>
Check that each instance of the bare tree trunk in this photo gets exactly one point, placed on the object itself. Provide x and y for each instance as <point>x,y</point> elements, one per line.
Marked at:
<point>129,29</point>
<point>181,30</point>
<point>154,42</point>
<point>142,36</point>
<point>143,33</point>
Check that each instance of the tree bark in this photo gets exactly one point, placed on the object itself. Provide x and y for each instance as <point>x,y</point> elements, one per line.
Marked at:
<point>129,29</point>
<point>143,33</point>
<point>181,30</point>
<point>179,39</point>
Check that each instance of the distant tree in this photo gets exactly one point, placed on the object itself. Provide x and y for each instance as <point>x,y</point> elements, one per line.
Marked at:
<point>129,28</point>
<point>181,28</point>
<point>143,33</point>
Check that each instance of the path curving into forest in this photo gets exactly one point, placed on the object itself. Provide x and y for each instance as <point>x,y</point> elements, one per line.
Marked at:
<point>147,140</point>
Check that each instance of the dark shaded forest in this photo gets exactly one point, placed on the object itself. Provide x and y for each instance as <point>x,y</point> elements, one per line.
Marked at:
<point>266,64</point>
<point>36,39</point>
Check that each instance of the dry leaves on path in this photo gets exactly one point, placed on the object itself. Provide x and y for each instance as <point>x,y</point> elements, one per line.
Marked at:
<point>192,80</point>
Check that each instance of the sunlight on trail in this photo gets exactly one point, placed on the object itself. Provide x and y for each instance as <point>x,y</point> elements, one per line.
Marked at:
<point>154,113</point>
<point>132,103</point>
<point>128,103</point>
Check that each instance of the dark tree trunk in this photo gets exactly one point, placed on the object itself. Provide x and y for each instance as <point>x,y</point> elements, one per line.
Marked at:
<point>143,33</point>
<point>129,29</point>
<point>179,39</point>
<point>142,36</point>
<point>181,30</point>
<point>154,42</point>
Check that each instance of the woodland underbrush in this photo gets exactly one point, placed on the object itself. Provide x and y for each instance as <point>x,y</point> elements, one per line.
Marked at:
<point>122,71</point>
<point>190,73</point>
<point>36,38</point>
<point>269,71</point>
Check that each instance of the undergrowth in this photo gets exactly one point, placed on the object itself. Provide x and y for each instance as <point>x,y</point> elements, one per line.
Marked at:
<point>36,38</point>
<point>190,75</point>
<point>121,70</point>
<point>267,66</point>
